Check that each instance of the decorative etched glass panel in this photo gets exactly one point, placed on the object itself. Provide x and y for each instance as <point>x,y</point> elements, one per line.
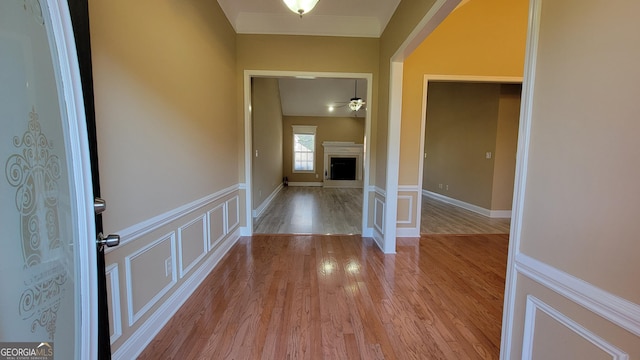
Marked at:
<point>38,257</point>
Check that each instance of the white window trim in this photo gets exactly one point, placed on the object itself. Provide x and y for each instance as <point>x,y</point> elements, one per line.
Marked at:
<point>305,130</point>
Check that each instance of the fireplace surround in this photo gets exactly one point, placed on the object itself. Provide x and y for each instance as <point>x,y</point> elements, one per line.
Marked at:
<point>343,164</point>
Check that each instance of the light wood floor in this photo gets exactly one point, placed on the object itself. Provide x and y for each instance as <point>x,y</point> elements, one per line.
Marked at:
<point>316,210</point>
<point>339,297</point>
<point>439,217</point>
<point>312,210</point>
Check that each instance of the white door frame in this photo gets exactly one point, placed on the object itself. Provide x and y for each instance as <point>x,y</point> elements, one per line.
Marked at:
<point>438,12</point>
<point>423,124</point>
<point>248,137</point>
<point>73,103</point>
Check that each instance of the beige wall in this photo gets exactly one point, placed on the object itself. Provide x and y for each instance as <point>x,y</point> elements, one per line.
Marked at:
<point>165,104</point>
<point>504,163</point>
<point>580,200</point>
<point>583,144</point>
<point>462,121</point>
<point>309,53</point>
<point>328,129</point>
<point>267,138</point>
<point>165,93</point>
<point>481,38</point>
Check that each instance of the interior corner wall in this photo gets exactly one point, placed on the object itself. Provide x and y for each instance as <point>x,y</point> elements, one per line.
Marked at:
<point>266,114</point>
<point>504,167</point>
<point>328,129</point>
<point>480,38</point>
<point>461,128</point>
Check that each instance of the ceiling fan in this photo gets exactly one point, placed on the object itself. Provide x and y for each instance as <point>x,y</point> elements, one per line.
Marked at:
<point>355,103</point>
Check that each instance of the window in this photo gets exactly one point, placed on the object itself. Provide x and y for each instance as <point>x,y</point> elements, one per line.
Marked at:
<point>304,148</point>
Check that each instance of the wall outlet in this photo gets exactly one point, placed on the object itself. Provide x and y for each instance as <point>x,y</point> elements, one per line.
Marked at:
<point>317,176</point>
<point>439,186</point>
<point>447,187</point>
<point>168,268</point>
<point>488,155</point>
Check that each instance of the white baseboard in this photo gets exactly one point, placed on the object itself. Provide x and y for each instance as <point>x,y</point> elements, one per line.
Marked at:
<point>500,214</point>
<point>305,183</point>
<point>257,212</point>
<point>139,340</point>
<point>465,205</point>
<point>408,232</point>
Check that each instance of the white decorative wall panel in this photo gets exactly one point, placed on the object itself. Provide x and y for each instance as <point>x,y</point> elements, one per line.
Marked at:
<point>405,208</point>
<point>217,225</point>
<point>115,313</point>
<point>233,213</point>
<point>378,215</point>
<point>147,277</point>
<point>566,337</point>
<point>192,244</point>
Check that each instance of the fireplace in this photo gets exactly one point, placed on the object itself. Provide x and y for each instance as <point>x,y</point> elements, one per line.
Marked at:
<point>343,168</point>
<point>343,164</point>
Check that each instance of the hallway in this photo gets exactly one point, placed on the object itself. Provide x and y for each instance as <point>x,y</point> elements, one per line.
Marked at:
<point>339,297</point>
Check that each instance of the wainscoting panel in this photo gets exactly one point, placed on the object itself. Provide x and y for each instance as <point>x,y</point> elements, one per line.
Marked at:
<point>148,276</point>
<point>378,217</point>
<point>192,244</point>
<point>164,260</point>
<point>217,225</point>
<point>115,312</point>
<point>409,205</point>
<point>405,207</point>
<point>561,333</point>
<point>233,213</point>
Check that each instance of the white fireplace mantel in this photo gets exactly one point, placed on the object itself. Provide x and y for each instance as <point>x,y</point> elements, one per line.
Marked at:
<point>342,149</point>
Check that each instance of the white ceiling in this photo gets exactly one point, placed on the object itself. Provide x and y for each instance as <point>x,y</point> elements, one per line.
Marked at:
<point>314,97</point>
<point>361,18</point>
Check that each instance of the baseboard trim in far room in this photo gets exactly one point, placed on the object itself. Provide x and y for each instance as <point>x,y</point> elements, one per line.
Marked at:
<point>504,214</point>
<point>257,212</point>
<point>316,184</point>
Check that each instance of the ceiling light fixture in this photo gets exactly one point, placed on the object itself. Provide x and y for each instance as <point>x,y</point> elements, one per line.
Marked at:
<point>300,7</point>
<point>356,103</point>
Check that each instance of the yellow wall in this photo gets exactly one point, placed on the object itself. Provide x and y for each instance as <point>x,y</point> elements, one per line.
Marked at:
<point>481,38</point>
<point>407,15</point>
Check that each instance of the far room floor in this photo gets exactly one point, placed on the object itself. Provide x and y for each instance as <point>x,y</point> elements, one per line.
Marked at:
<point>317,210</point>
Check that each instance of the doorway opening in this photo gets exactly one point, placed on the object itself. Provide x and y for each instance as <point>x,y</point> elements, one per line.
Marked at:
<point>305,199</point>
<point>469,142</point>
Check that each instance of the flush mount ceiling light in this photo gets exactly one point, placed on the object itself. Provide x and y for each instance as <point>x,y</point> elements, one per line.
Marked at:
<point>300,7</point>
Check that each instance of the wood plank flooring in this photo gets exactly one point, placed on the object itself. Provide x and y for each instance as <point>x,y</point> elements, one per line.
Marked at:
<point>339,297</point>
<point>312,210</point>
<point>439,217</point>
<point>316,210</point>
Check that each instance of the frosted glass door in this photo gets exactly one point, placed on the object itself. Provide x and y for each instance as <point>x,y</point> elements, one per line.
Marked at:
<point>45,276</point>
